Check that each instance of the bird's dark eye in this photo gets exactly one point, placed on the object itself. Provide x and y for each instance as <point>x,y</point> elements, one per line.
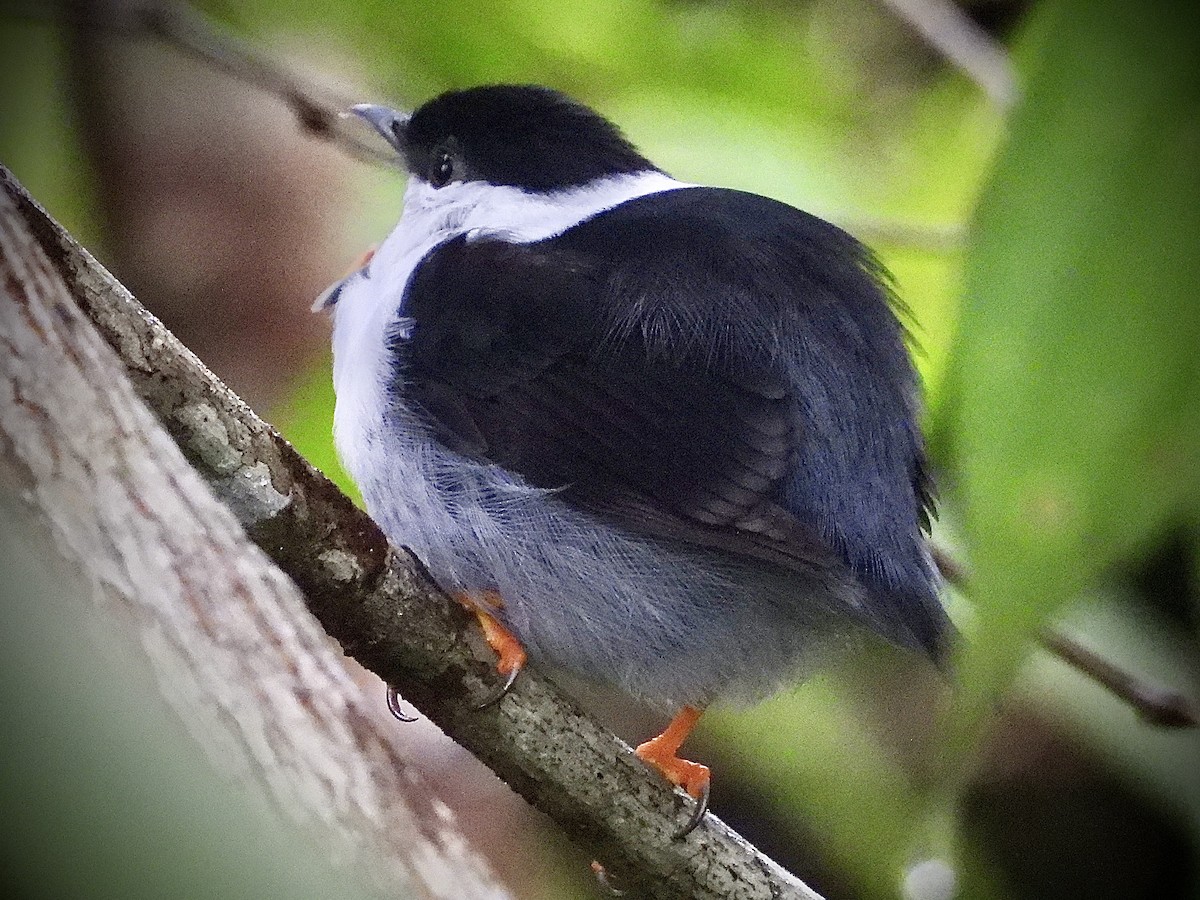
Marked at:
<point>442,170</point>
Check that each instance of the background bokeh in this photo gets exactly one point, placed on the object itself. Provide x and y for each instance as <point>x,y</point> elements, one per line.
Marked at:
<point>1044,239</point>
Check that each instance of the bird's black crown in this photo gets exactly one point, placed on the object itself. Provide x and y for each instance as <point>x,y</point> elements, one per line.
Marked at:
<point>522,135</point>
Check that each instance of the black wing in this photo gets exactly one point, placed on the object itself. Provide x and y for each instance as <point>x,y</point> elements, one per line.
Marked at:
<point>509,360</point>
<point>703,365</point>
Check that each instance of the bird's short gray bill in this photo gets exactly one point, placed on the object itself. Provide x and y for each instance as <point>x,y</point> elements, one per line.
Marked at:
<point>390,123</point>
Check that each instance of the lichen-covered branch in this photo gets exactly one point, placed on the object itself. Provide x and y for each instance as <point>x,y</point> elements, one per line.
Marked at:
<point>377,602</point>
<point>247,670</point>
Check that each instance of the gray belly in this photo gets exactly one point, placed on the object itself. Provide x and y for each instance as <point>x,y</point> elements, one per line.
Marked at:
<point>668,622</point>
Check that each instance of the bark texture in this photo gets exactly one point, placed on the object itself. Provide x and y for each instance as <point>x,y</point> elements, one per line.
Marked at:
<point>245,666</point>
<point>375,600</point>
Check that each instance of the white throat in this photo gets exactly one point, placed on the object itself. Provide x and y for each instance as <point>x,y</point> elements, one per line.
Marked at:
<point>479,209</point>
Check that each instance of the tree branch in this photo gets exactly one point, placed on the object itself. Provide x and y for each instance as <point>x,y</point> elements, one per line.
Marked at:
<point>945,27</point>
<point>249,673</point>
<point>1161,706</point>
<point>378,603</point>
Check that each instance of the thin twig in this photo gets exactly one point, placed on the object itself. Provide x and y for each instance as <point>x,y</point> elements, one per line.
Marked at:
<point>1161,706</point>
<point>319,111</point>
<point>952,33</point>
<point>1157,705</point>
<point>877,232</point>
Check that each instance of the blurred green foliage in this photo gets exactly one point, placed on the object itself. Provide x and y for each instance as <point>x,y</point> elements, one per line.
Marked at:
<point>36,138</point>
<point>1075,378</point>
<point>1073,412</point>
<point>1048,255</point>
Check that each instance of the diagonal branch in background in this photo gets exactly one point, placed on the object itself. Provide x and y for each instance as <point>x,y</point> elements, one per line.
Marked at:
<point>179,26</point>
<point>1157,705</point>
<point>377,602</point>
<point>321,114</point>
<point>947,28</point>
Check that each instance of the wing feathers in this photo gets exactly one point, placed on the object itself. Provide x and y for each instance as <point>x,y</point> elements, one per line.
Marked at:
<point>562,361</point>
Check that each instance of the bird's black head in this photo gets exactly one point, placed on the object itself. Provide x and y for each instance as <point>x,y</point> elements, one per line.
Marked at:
<point>529,137</point>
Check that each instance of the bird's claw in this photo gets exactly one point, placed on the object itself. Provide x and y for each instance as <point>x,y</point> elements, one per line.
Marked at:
<point>499,694</point>
<point>509,650</point>
<point>393,705</point>
<point>661,753</point>
<point>697,815</point>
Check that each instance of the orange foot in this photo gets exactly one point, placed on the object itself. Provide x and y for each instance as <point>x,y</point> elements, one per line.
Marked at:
<point>509,650</point>
<point>661,753</point>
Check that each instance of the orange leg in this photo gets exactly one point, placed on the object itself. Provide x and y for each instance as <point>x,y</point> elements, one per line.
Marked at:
<point>662,753</point>
<point>499,638</point>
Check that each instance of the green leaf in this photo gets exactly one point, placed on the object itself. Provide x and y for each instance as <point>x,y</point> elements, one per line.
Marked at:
<point>1076,373</point>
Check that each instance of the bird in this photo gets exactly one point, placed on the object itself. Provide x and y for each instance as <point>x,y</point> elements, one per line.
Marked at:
<point>659,435</point>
